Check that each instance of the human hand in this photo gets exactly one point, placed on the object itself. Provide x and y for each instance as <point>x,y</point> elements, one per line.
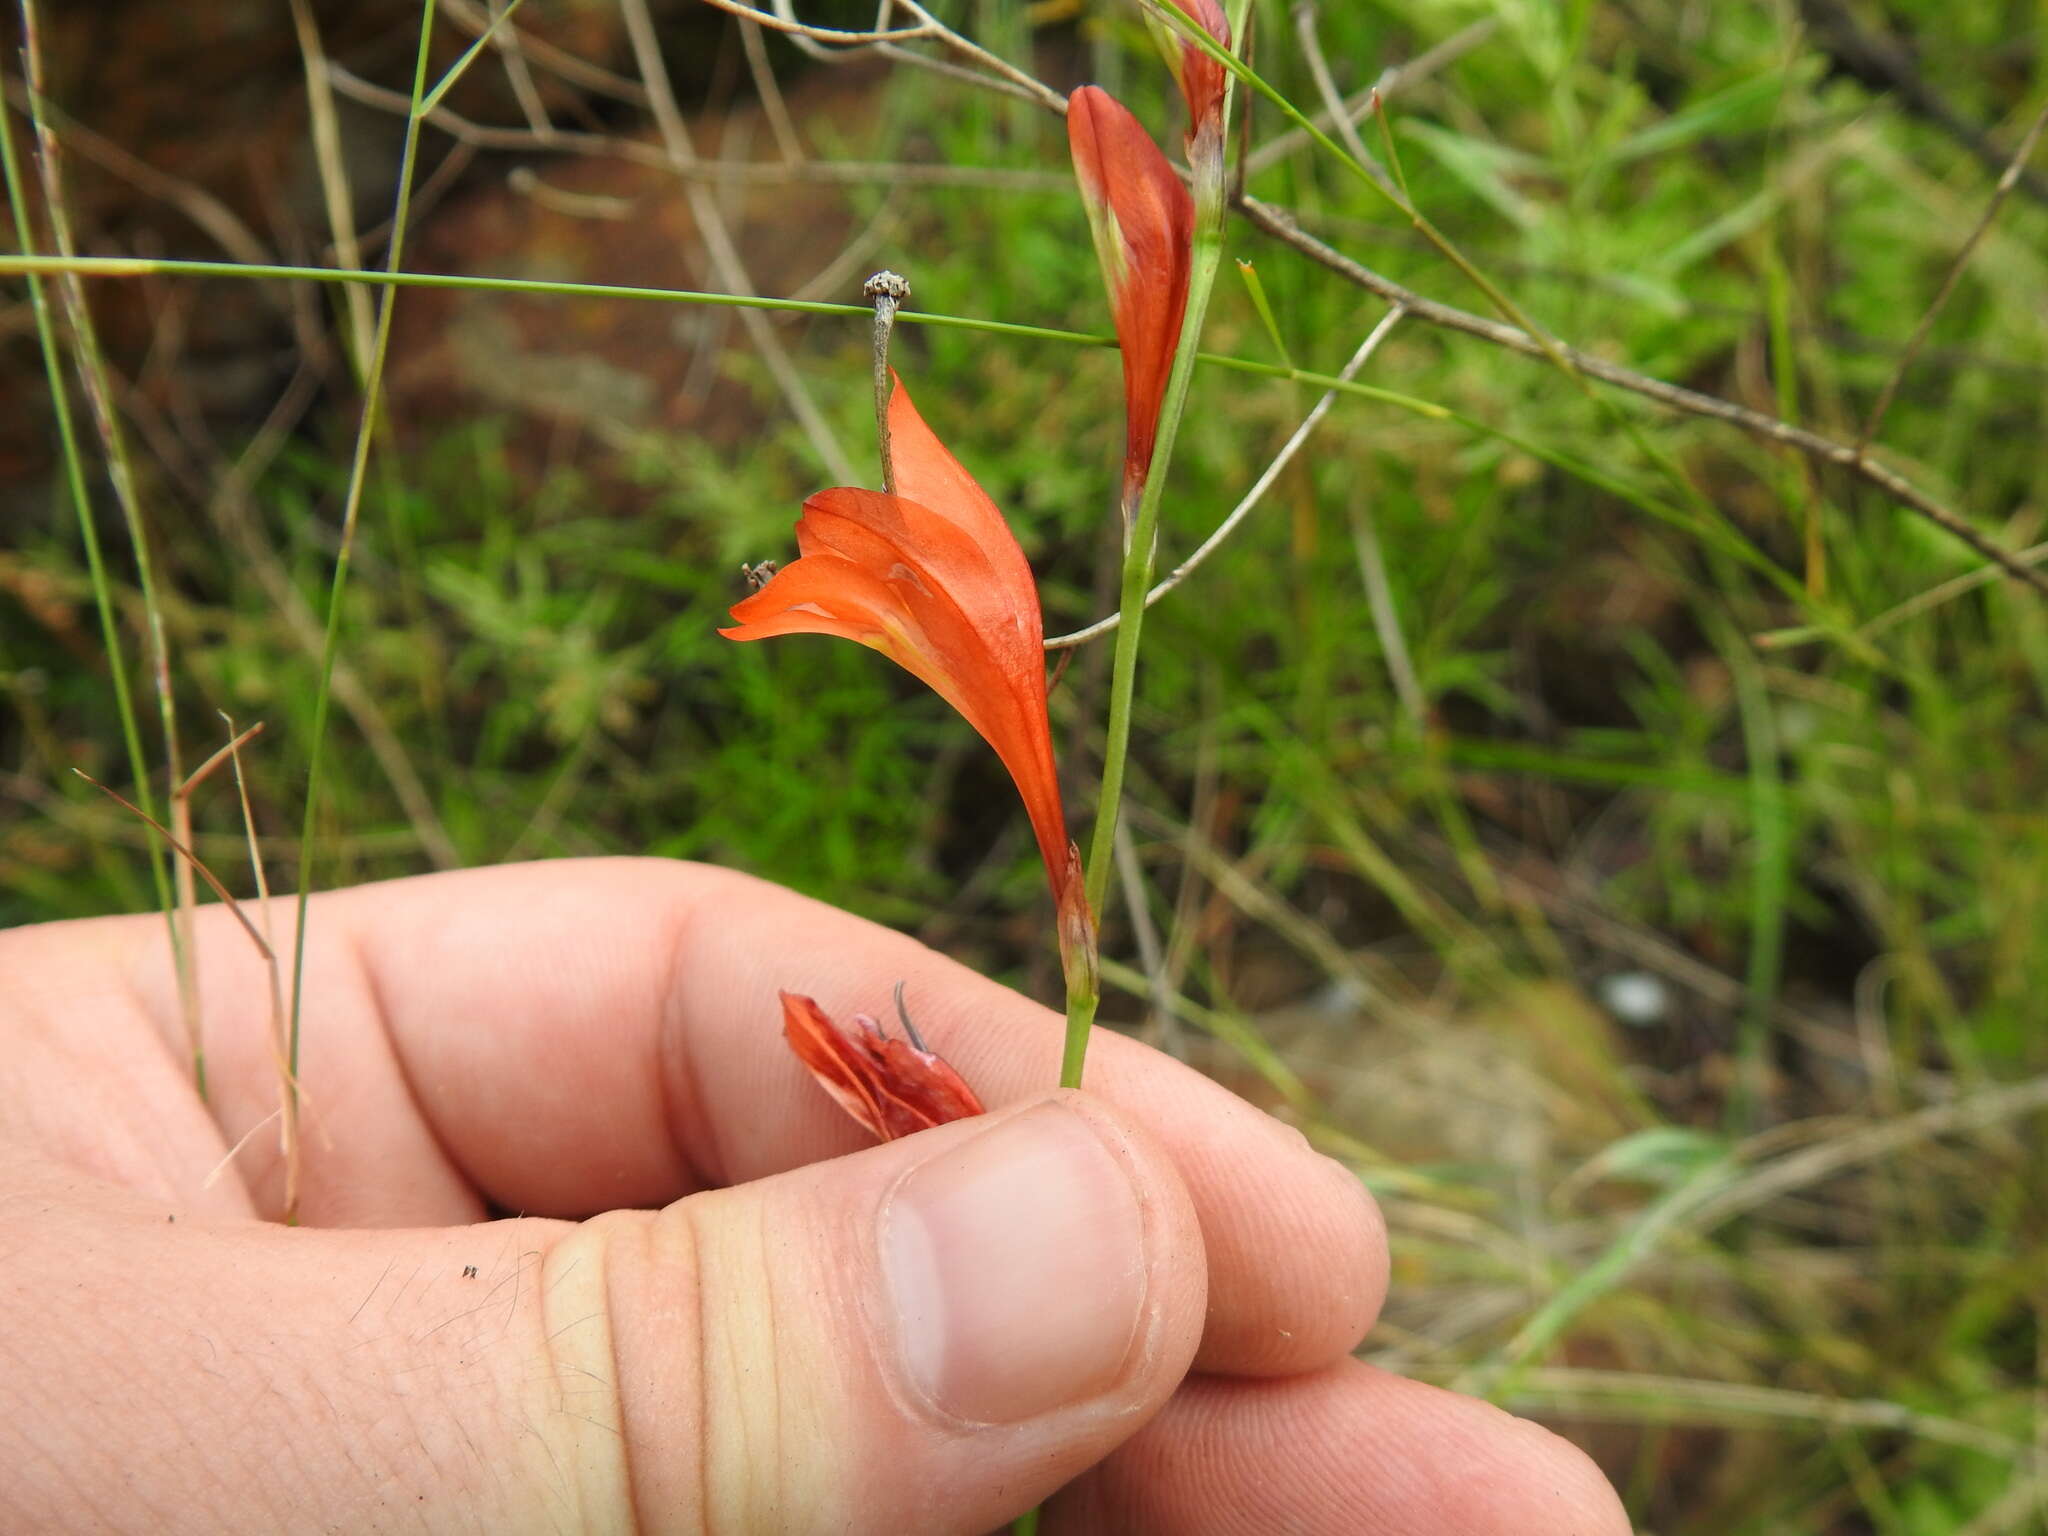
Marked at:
<point>707,1318</point>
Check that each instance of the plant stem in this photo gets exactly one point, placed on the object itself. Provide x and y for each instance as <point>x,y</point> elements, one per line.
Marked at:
<point>1141,549</point>
<point>1141,552</point>
<point>1084,993</point>
<point>93,376</point>
<point>358,473</point>
<point>88,533</point>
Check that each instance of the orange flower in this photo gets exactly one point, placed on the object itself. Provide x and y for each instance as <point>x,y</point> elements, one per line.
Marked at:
<point>1202,80</point>
<point>893,1087</point>
<point>933,579</point>
<point>1143,221</point>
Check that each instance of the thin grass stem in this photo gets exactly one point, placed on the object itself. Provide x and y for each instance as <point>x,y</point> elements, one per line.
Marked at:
<point>373,383</point>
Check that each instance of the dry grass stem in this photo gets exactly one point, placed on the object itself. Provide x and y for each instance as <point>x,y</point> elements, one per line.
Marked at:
<point>724,254</point>
<point>289,1139</point>
<point>95,376</point>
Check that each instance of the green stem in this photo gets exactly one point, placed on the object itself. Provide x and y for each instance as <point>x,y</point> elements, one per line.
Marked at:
<point>1714,530</point>
<point>1141,549</point>
<point>358,473</point>
<point>1141,552</point>
<point>1084,993</point>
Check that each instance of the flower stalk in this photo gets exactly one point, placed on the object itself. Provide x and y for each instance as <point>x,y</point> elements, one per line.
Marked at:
<point>1209,111</point>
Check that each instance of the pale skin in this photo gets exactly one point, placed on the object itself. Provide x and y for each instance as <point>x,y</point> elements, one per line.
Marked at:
<point>708,1317</point>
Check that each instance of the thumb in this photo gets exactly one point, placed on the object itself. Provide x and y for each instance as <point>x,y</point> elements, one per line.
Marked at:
<point>926,1337</point>
<point>929,1336</point>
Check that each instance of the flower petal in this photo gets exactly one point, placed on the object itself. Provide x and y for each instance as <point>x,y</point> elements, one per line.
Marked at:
<point>889,1086</point>
<point>1143,222</point>
<point>1202,80</point>
<point>889,573</point>
<point>832,1059</point>
<point>928,474</point>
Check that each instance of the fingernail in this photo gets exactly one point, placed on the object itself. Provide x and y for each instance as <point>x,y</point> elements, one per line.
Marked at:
<point>1016,1262</point>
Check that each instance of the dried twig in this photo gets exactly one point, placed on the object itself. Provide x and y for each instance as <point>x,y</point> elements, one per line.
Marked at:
<point>558,62</point>
<point>511,52</point>
<point>718,244</point>
<point>827,43</point>
<point>753,173</point>
<point>191,859</point>
<point>769,89</point>
<point>1276,223</point>
<point>95,376</point>
<point>832,279</point>
<point>333,169</point>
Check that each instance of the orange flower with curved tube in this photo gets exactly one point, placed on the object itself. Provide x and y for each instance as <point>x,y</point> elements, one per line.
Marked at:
<point>1143,222</point>
<point>933,579</point>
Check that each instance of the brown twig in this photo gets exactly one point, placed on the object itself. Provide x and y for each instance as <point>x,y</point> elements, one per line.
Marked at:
<point>788,141</point>
<point>558,62</point>
<point>192,859</point>
<point>724,255</point>
<point>1334,105</point>
<point>1275,223</point>
<point>334,189</point>
<point>753,173</point>
<point>513,55</point>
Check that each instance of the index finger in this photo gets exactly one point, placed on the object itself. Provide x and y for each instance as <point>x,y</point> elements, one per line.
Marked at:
<point>583,1034</point>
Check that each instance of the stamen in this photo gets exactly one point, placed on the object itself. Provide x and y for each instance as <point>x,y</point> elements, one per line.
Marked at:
<point>909,1028</point>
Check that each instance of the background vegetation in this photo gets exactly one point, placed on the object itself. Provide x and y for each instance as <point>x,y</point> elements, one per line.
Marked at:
<point>1619,836</point>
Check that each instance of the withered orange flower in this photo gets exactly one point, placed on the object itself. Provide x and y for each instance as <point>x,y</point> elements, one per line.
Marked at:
<point>893,1087</point>
<point>1202,80</point>
<point>1143,221</point>
<point>933,579</point>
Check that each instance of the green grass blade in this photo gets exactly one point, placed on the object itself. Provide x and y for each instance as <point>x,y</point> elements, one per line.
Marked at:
<point>358,474</point>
